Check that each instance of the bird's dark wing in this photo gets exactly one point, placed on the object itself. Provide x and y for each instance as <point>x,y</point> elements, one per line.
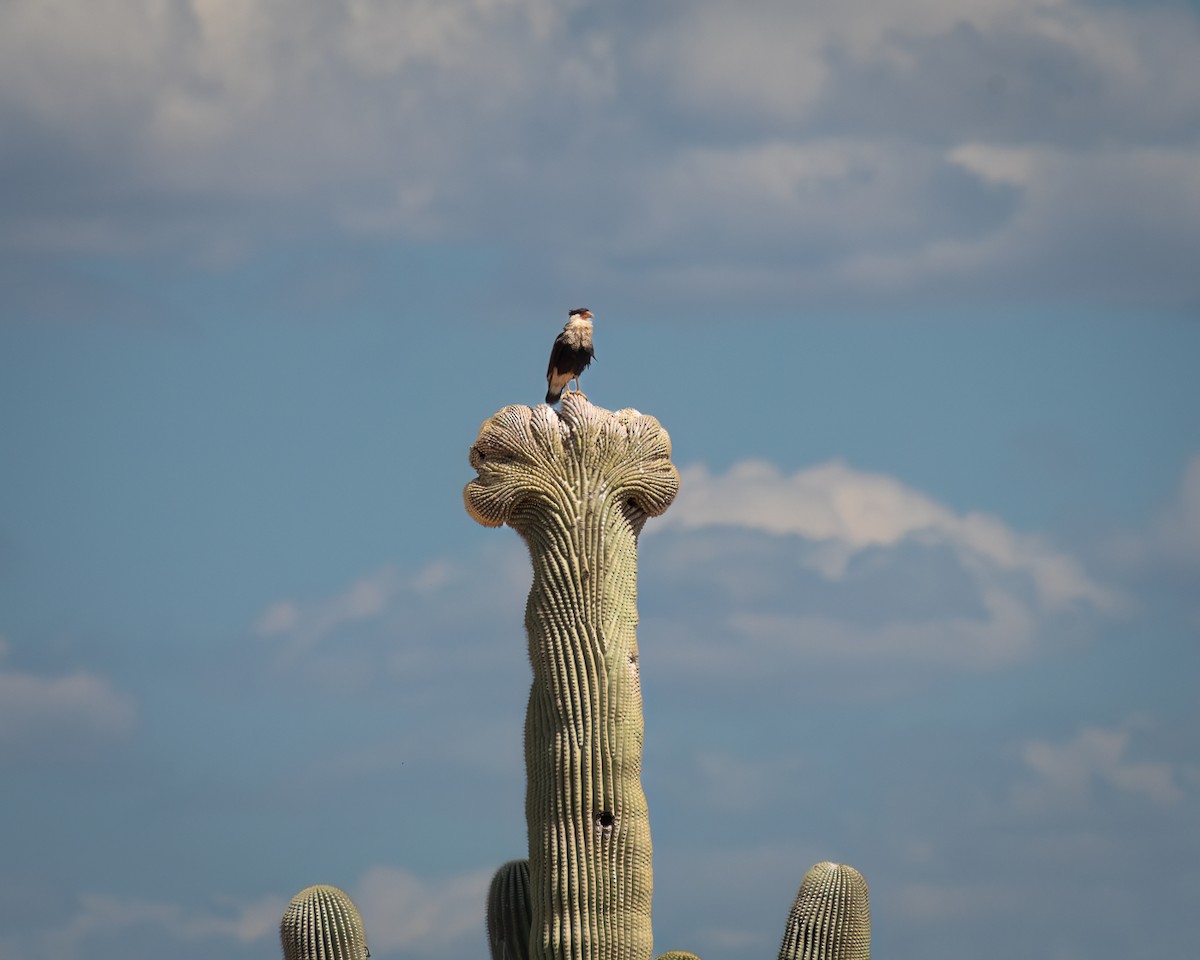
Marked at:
<point>561,357</point>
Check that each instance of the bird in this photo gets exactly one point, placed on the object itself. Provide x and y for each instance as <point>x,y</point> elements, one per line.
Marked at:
<point>571,353</point>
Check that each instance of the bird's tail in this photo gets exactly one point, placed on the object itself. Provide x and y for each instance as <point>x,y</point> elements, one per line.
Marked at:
<point>553,396</point>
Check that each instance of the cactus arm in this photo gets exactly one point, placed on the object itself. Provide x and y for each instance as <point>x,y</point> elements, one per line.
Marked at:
<point>830,918</point>
<point>578,486</point>
<point>322,923</point>
<point>508,912</point>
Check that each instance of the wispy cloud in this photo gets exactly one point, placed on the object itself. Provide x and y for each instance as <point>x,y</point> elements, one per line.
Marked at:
<point>1067,774</point>
<point>395,623</point>
<point>102,918</point>
<point>54,715</point>
<point>404,912</point>
<point>1173,536</point>
<point>305,625</point>
<point>1161,558</point>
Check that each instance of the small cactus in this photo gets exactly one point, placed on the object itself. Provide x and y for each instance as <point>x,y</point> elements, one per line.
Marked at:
<point>678,955</point>
<point>830,918</point>
<point>322,923</point>
<point>509,917</point>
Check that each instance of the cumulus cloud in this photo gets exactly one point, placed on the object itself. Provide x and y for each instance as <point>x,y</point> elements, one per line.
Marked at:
<point>839,562</point>
<point>769,149</point>
<point>848,511</point>
<point>101,917</point>
<point>59,714</point>
<point>404,912</point>
<point>1067,774</point>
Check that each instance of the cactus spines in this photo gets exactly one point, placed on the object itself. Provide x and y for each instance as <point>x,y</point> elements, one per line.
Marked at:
<point>677,955</point>
<point>508,915</point>
<point>830,918</point>
<point>578,486</point>
<point>322,923</point>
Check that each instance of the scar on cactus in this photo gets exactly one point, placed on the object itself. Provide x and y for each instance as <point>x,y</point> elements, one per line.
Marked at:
<point>322,923</point>
<point>578,486</point>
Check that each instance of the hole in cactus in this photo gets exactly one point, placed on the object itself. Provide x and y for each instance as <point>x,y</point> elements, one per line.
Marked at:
<point>605,820</point>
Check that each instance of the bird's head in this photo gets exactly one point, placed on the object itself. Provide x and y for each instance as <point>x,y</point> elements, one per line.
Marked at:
<point>583,313</point>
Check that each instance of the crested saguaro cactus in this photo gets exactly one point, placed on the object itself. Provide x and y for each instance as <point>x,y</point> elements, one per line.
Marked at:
<point>578,486</point>
<point>322,923</point>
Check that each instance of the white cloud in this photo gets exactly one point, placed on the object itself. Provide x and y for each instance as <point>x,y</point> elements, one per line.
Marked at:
<point>401,912</point>
<point>387,591</point>
<point>847,512</point>
<point>757,566</point>
<point>394,625</point>
<point>1006,632</point>
<point>771,149</point>
<point>101,917</point>
<point>404,912</point>
<point>49,714</point>
<point>1066,774</point>
<point>1004,165</point>
<point>365,599</point>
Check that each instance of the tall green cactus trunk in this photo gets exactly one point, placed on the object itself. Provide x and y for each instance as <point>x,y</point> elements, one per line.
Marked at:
<point>578,486</point>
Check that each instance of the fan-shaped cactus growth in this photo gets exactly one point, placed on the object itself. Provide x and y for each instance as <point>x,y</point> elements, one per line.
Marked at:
<point>830,918</point>
<point>322,923</point>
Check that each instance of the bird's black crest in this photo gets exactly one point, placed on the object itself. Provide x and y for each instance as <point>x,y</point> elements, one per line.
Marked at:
<point>577,311</point>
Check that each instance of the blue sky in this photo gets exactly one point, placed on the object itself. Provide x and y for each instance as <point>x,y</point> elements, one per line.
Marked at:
<point>911,285</point>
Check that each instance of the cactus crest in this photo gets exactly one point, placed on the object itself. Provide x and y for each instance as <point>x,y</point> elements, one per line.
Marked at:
<point>322,923</point>
<point>830,918</point>
<point>532,461</point>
